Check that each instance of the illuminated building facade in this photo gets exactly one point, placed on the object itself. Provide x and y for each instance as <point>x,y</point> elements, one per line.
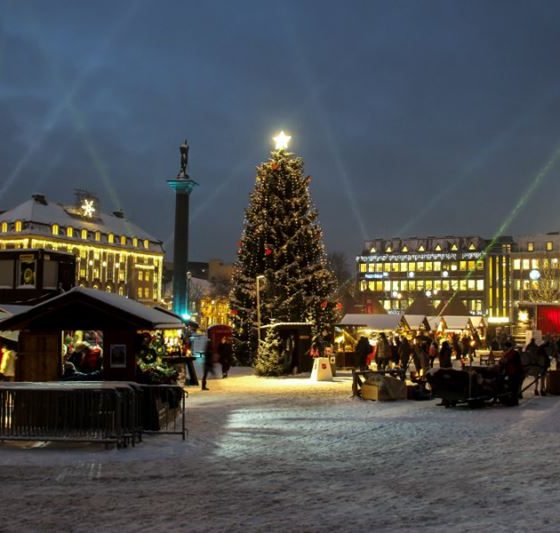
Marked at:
<point>536,268</point>
<point>476,270</point>
<point>112,253</point>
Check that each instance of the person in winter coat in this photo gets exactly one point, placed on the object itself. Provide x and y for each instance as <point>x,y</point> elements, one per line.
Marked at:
<point>383,354</point>
<point>363,349</point>
<point>445,355</point>
<point>512,367</point>
<point>225,353</point>
<point>404,353</point>
<point>432,353</point>
<point>208,363</point>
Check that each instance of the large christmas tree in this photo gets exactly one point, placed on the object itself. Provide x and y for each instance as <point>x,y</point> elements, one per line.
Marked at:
<point>283,242</point>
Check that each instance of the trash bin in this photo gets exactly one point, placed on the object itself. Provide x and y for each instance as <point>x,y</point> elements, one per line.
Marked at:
<point>321,369</point>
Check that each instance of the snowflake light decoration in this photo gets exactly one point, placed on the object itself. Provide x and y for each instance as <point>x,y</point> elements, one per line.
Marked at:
<point>87,208</point>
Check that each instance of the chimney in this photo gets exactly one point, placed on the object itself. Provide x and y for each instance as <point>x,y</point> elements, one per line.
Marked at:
<point>118,214</point>
<point>39,198</point>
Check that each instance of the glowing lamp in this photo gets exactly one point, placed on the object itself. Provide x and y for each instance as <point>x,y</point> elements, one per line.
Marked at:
<point>535,275</point>
<point>185,316</point>
<point>523,316</point>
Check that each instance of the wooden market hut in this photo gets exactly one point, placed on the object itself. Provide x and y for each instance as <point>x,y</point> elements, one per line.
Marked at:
<point>40,339</point>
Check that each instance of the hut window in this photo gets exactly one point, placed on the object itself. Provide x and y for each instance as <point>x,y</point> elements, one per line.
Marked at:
<point>18,225</point>
<point>55,229</point>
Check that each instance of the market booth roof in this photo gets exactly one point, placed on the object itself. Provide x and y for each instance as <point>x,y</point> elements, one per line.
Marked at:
<point>375,322</point>
<point>82,308</point>
<point>414,321</point>
<point>456,323</point>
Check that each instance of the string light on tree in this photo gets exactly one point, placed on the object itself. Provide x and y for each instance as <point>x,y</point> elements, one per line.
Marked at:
<point>282,140</point>
<point>283,243</point>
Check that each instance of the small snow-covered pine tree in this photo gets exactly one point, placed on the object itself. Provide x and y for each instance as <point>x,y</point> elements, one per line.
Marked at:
<point>270,360</point>
<point>283,242</point>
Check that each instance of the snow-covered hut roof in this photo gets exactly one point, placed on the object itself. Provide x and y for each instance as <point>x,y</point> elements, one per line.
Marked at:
<point>433,322</point>
<point>414,321</point>
<point>456,322</point>
<point>83,308</point>
<point>478,321</point>
<point>375,322</point>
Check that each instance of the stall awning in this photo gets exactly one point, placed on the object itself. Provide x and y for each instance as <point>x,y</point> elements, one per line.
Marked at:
<point>457,322</point>
<point>414,321</point>
<point>433,322</point>
<point>478,321</point>
<point>375,322</point>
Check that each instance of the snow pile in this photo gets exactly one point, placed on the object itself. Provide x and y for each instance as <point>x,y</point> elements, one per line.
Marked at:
<point>284,454</point>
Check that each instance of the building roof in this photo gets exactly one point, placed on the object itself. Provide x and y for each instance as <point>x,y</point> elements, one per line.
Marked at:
<point>375,322</point>
<point>453,306</point>
<point>81,308</point>
<point>414,321</point>
<point>40,215</point>
<point>456,322</point>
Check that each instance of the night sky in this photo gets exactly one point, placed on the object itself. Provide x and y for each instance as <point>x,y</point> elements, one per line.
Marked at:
<point>413,118</point>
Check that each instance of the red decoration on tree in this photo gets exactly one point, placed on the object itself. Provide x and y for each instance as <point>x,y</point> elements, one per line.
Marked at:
<point>338,306</point>
<point>324,304</point>
<point>233,312</point>
<point>274,165</point>
<point>267,251</point>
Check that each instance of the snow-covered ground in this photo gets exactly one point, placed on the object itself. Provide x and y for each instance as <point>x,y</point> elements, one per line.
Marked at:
<point>289,455</point>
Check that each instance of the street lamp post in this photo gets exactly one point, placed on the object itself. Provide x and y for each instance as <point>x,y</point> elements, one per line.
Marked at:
<point>258,279</point>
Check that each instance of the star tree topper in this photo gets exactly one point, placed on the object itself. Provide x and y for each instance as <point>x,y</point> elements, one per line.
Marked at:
<point>282,140</point>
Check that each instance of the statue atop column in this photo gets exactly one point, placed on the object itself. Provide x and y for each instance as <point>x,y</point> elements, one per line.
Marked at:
<point>184,149</point>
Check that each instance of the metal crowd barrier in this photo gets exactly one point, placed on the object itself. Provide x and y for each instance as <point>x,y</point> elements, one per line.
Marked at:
<point>113,413</point>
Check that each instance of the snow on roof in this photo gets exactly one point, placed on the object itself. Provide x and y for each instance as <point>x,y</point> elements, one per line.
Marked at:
<point>49,213</point>
<point>478,321</point>
<point>13,309</point>
<point>375,322</point>
<point>433,321</point>
<point>414,321</point>
<point>158,319</point>
<point>456,322</point>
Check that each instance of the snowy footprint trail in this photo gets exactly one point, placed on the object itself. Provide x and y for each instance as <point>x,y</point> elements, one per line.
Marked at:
<point>287,455</point>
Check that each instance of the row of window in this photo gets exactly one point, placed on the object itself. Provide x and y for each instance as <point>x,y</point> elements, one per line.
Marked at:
<point>422,266</point>
<point>84,234</point>
<point>474,306</point>
<point>532,264</point>
<point>120,275</point>
<point>422,285</point>
<point>549,246</point>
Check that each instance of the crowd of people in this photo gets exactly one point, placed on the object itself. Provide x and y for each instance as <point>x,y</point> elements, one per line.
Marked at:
<point>423,350</point>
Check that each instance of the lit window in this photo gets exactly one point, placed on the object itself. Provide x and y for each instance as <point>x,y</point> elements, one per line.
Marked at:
<point>139,292</point>
<point>69,232</point>
<point>479,284</point>
<point>146,244</point>
<point>84,234</point>
<point>123,240</point>
<point>421,248</point>
<point>472,247</point>
<point>405,248</point>
<point>121,291</point>
<point>97,235</point>
<point>437,248</point>
<point>146,293</point>
<point>516,264</point>
<point>111,238</point>
<point>140,275</point>
<point>134,242</point>
<point>454,247</point>
<point>526,264</point>
<point>4,227</point>
<point>388,249</point>
<point>549,246</point>
<point>18,225</point>
<point>363,285</point>
<point>371,285</point>
<point>530,246</point>
<point>371,267</point>
<point>462,265</point>
<point>55,229</point>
